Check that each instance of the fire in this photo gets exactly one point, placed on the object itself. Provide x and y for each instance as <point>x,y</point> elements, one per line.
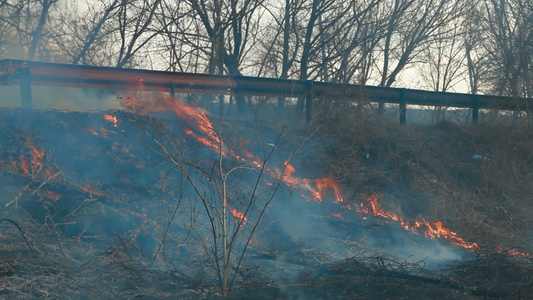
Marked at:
<point>288,179</point>
<point>338,215</point>
<point>24,165</point>
<point>36,157</point>
<point>195,117</point>
<point>435,230</point>
<point>327,183</point>
<point>239,215</point>
<point>203,132</point>
<point>111,118</point>
<point>513,252</point>
<point>36,161</point>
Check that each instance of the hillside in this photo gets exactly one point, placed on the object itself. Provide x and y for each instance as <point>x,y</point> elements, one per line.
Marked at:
<point>94,206</point>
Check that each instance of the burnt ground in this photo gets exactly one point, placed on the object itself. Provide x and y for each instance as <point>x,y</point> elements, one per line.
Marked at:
<point>86,204</point>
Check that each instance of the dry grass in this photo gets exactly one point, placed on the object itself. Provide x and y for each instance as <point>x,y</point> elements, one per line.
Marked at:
<point>430,171</point>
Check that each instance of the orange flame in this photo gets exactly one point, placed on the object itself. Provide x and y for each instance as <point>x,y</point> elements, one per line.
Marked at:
<point>36,158</point>
<point>195,117</point>
<point>111,118</point>
<point>432,230</point>
<point>338,215</point>
<point>24,165</point>
<point>205,134</point>
<point>327,183</point>
<point>239,215</point>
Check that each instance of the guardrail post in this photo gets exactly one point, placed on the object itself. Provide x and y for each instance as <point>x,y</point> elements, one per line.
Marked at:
<point>309,101</point>
<point>25,87</point>
<point>172,90</point>
<point>475,109</point>
<point>403,107</point>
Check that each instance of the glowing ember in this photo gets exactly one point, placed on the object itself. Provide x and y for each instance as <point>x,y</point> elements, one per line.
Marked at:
<point>136,213</point>
<point>106,131</point>
<point>91,130</point>
<point>112,119</point>
<point>94,192</point>
<point>24,165</point>
<point>239,215</point>
<point>51,195</point>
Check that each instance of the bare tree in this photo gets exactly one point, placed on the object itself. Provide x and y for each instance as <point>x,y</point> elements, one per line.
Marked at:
<point>413,25</point>
<point>232,213</point>
<point>478,61</point>
<point>24,26</point>
<point>508,23</point>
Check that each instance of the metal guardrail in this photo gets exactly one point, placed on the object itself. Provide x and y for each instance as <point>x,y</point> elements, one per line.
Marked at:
<point>28,73</point>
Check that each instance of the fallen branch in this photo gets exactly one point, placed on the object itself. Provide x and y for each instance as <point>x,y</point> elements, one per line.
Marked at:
<point>30,244</point>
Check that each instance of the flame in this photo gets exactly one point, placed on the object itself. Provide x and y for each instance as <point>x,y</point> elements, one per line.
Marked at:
<point>204,133</point>
<point>513,252</point>
<point>435,230</point>
<point>239,215</point>
<point>194,116</point>
<point>327,183</point>
<point>111,118</point>
<point>36,157</point>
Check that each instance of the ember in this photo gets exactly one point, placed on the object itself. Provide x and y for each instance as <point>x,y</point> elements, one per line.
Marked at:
<point>24,165</point>
<point>93,192</point>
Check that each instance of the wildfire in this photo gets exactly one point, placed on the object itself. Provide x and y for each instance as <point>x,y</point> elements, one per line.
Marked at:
<point>36,157</point>
<point>194,116</point>
<point>203,132</point>
<point>514,252</point>
<point>111,118</point>
<point>239,215</point>
<point>34,164</point>
<point>24,165</point>
<point>323,184</point>
<point>430,230</point>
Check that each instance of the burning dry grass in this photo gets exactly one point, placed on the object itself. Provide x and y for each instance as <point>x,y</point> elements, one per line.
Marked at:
<point>473,179</point>
<point>423,174</point>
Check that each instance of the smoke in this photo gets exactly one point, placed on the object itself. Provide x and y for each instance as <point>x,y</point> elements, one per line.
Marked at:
<point>122,197</point>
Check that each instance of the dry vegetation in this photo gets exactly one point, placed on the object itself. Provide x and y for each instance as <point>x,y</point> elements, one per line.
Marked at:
<point>475,178</point>
<point>422,171</point>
